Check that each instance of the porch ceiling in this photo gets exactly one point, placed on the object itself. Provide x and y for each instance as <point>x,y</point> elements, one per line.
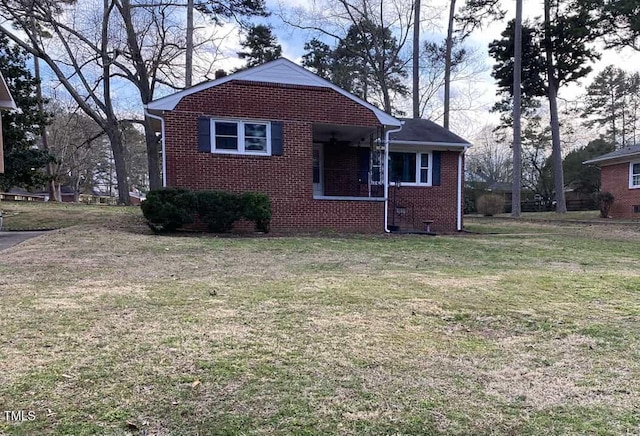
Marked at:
<point>352,134</point>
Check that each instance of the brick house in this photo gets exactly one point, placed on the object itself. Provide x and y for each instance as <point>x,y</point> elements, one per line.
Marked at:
<point>317,151</point>
<point>620,175</point>
<point>6,103</point>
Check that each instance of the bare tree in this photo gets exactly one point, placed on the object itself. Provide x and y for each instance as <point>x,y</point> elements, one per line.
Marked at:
<point>75,141</point>
<point>466,65</point>
<point>82,61</point>
<point>490,160</point>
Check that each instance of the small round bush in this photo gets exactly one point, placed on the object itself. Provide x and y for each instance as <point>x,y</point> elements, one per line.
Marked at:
<point>256,207</point>
<point>490,204</point>
<point>168,209</point>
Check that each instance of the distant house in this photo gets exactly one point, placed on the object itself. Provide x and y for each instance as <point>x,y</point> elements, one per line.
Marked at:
<point>620,175</point>
<point>325,158</point>
<point>6,103</point>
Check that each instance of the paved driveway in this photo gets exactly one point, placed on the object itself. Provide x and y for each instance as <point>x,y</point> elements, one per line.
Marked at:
<point>9,239</point>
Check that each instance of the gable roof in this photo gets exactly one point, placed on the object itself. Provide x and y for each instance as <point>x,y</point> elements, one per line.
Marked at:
<point>616,156</point>
<point>279,71</point>
<point>426,132</point>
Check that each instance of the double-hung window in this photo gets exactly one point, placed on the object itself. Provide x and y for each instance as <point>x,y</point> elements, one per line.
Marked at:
<point>240,137</point>
<point>634,175</point>
<point>410,168</point>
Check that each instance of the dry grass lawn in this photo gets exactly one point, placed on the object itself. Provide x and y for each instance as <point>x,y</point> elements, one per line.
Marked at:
<point>531,329</point>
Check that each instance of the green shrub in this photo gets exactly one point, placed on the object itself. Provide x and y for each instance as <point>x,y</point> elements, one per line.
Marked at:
<point>219,210</point>
<point>490,204</point>
<point>256,207</point>
<point>168,209</point>
<point>605,201</point>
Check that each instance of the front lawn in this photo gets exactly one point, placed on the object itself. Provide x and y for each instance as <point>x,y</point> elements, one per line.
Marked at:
<point>535,329</point>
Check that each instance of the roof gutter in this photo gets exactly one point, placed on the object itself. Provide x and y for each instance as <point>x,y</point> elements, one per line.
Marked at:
<point>611,160</point>
<point>164,154</point>
<point>386,178</point>
<point>460,189</point>
<point>432,144</point>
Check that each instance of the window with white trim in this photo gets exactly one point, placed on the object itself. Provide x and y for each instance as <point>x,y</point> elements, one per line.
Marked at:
<point>240,137</point>
<point>634,175</point>
<point>410,168</point>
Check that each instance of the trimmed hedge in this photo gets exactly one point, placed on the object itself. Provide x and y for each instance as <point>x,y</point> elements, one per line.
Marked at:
<point>169,209</point>
<point>219,210</point>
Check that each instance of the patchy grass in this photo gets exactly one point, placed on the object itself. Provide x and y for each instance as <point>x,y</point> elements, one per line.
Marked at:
<point>108,329</point>
<point>22,215</point>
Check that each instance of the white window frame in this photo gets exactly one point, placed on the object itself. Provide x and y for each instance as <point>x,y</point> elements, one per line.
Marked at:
<point>631,174</point>
<point>241,137</point>
<point>417,169</point>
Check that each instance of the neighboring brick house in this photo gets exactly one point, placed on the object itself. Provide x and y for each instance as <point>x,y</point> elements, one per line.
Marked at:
<point>620,175</point>
<point>314,149</point>
<point>6,103</point>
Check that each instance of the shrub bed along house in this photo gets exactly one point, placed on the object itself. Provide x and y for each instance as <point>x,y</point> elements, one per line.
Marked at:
<point>169,209</point>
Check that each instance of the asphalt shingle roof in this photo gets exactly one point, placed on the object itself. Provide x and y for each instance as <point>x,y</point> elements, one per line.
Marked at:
<point>419,130</point>
<point>627,151</point>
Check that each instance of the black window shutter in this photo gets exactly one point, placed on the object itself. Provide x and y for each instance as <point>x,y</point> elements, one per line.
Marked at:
<point>204,135</point>
<point>435,176</point>
<point>364,157</point>
<point>276,138</point>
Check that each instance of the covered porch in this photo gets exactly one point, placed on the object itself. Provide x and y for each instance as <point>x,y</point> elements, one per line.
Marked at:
<point>348,162</point>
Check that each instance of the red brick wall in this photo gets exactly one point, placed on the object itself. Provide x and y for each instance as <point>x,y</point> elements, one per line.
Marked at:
<point>437,203</point>
<point>615,179</point>
<point>286,179</point>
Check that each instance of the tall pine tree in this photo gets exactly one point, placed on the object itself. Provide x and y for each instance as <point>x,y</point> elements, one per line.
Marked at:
<point>260,46</point>
<point>559,55</point>
<point>21,128</point>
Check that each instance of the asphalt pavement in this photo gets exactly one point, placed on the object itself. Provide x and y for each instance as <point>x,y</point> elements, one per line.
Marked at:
<point>9,239</point>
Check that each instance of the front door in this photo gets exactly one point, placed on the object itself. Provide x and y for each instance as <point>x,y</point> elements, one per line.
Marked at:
<point>318,188</point>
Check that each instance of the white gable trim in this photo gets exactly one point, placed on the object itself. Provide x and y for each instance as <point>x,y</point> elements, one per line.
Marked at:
<point>612,160</point>
<point>279,71</point>
<point>6,99</point>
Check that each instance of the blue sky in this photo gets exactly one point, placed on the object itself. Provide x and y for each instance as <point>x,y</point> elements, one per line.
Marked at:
<point>292,41</point>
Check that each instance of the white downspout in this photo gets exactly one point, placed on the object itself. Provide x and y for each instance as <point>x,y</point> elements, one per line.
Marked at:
<point>164,154</point>
<point>460,193</point>
<point>386,178</point>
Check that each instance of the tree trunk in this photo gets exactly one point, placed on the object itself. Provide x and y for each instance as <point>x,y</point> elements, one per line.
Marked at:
<point>153,158</point>
<point>146,93</point>
<point>447,65</point>
<point>188,73</point>
<point>43,131</point>
<point>416,58</point>
<point>556,149</point>
<point>517,127</point>
<point>115,138</point>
